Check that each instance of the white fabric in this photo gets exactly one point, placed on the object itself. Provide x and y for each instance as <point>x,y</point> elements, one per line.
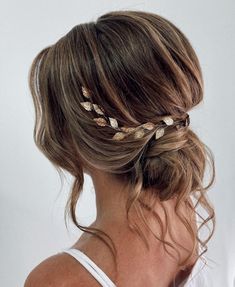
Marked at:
<point>98,274</point>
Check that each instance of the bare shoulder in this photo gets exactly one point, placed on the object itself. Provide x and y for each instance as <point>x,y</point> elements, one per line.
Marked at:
<point>60,270</point>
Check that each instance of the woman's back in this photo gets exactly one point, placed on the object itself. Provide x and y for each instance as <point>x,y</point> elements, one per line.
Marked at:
<point>137,266</point>
<point>89,261</point>
<point>197,277</point>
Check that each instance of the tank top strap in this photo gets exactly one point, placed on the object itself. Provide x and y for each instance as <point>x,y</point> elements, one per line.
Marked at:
<point>91,267</point>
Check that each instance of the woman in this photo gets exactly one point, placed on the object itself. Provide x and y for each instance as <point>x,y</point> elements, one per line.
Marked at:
<point>111,100</point>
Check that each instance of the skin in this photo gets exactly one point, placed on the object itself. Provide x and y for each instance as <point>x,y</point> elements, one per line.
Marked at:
<point>137,266</point>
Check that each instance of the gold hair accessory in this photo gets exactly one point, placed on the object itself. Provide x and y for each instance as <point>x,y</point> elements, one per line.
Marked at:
<point>124,131</point>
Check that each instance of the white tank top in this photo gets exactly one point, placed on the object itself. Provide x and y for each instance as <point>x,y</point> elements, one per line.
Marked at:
<point>197,278</point>
<point>97,273</point>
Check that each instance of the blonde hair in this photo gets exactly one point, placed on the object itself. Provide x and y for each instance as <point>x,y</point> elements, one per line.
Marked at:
<point>139,67</point>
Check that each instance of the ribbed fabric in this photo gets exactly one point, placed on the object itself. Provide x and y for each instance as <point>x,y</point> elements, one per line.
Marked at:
<point>97,273</point>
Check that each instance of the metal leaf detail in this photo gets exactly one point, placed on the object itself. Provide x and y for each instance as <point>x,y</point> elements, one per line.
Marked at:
<point>148,126</point>
<point>119,136</point>
<point>98,109</point>
<point>100,121</point>
<point>159,133</point>
<point>128,129</point>
<point>87,105</point>
<point>139,134</point>
<point>113,122</point>
<point>85,92</point>
<point>168,121</point>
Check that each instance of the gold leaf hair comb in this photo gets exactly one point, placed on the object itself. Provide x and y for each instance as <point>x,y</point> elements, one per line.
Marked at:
<point>124,131</point>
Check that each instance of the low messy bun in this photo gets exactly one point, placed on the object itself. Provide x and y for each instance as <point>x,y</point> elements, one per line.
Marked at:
<point>139,67</point>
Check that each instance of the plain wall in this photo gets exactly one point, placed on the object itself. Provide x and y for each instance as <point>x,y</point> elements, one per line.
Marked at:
<point>32,201</point>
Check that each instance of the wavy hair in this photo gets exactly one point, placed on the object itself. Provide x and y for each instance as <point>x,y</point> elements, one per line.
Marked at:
<point>139,66</point>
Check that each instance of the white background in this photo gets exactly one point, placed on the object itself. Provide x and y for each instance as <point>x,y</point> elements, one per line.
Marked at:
<point>31,204</point>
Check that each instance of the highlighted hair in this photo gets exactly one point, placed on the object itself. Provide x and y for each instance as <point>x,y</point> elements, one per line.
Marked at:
<point>139,67</point>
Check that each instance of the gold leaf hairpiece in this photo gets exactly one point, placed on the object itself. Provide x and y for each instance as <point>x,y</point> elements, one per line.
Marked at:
<point>124,131</point>
<point>86,92</point>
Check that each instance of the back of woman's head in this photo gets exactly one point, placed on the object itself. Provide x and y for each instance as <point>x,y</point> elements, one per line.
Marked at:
<point>138,67</point>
